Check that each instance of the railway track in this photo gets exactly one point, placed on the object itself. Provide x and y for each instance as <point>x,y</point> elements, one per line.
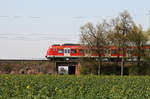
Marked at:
<point>5,60</point>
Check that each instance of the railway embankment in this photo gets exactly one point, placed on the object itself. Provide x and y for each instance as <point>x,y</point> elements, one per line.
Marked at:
<point>26,66</point>
<point>22,66</point>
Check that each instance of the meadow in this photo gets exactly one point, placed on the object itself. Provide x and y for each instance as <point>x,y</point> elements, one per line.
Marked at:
<point>74,87</point>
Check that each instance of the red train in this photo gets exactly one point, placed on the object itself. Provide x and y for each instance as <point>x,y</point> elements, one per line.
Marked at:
<point>76,51</point>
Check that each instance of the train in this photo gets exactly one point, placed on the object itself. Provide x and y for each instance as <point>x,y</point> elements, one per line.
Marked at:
<point>76,51</point>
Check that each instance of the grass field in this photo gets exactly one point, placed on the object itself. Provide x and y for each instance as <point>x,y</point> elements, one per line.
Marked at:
<point>72,87</point>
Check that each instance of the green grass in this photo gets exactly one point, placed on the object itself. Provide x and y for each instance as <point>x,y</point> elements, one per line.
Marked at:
<point>72,87</point>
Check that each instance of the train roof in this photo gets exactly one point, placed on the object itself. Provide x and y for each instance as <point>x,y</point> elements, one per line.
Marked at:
<point>56,44</point>
<point>66,44</point>
<point>70,44</point>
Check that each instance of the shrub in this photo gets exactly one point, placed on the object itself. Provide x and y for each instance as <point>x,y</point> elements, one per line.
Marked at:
<point>7,68</point>
<point>142,69</point>
<point>133,70</point>
<point>88,67</point>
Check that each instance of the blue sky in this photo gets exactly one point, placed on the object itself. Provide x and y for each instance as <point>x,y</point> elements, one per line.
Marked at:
<point>29,27</point>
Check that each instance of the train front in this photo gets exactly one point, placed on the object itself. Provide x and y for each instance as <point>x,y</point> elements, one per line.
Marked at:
<point>70,51</point>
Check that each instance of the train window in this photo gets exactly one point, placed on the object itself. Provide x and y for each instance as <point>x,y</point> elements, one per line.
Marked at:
<point>109,51</point>
<point>147,50</point>
<point>80,50</point>
<point>73,51</point>
<point>106,50</point>
<point>129,51</point>
<point>134,51</point>
<point>114,51</point>
<point>54,49</point>
<point>60,51</point>
<point>101,51</point>
<point>87,51</point>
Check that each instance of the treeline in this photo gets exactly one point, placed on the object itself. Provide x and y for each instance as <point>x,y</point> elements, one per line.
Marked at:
<point>121,32</point>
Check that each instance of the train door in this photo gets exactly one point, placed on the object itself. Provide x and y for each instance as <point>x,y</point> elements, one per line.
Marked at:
<point>107,52</point>
<point>66,51</point>
<point>129,52</point>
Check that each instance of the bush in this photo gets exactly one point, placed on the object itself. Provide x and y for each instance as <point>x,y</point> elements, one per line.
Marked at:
<point>88,67</point>
<point>91,67</point>
<point>134,70</point>
<point>143,69</point>
<point>7,68</point>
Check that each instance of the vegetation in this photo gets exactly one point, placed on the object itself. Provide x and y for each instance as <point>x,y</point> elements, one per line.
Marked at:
<point>94,38</point>
<point>121,27</point>
<point>143,69</point>
<point>91,67</point>
<point>122,33</point>
<point>27,67</point>
<point>138,38</point>
<point>73,87</point>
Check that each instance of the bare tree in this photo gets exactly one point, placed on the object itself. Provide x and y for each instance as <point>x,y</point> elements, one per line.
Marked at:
<point>138,38</point>
<point>94,38</point>
<point>121,26</point>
